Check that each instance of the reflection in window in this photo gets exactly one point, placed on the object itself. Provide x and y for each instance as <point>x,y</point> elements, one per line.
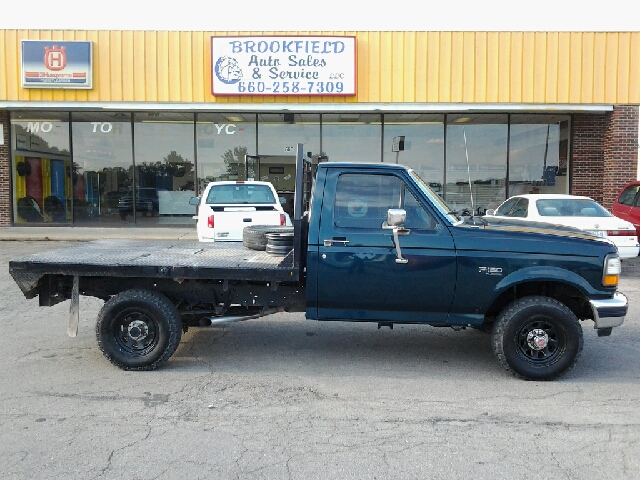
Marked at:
<point>349,137</point>
<point>362,200</point>
<point>223,140</point>
<point>165,173</point>
<point>538,154</point>
<point>42,187</point>
<point>477,157</point>
<point>278,136</point>
<point>505,209</point>
<point>423,145</point>
<point>626,197</point>
<point>102,166</point>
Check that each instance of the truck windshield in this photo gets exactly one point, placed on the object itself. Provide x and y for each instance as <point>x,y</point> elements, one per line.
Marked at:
<point>240,194</point>
<point>438,202</point>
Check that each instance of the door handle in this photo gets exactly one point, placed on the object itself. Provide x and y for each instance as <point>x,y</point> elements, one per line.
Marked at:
<point>340,241</point>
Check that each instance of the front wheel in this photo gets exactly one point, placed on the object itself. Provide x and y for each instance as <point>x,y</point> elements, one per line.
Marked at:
<point>138,329</point>
<point>537,338</point>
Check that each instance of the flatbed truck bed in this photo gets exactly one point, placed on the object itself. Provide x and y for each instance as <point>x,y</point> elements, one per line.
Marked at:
<point>155,259</point>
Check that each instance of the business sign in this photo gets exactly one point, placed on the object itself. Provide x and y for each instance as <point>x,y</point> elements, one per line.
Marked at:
<point>56,64</point>
<point>272,65</point>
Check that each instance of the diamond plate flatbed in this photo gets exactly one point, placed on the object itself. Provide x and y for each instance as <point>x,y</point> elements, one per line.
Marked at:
<point>155,259</point>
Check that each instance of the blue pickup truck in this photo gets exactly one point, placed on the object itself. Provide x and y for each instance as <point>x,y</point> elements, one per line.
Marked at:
<point>370,243</point>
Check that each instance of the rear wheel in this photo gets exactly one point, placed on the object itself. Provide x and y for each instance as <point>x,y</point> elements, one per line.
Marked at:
<point>138,329</point>
<point>537,338</point>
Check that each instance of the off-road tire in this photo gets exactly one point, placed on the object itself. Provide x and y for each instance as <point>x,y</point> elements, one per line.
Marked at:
<point>255,236</point>
<point>520,320</point>
<point>149,316</point>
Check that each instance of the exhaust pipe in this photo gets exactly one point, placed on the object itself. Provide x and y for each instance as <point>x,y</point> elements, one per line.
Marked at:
<point>206,322</point>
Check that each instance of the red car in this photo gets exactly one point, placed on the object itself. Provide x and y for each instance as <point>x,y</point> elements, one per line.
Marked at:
<point>627,204</point>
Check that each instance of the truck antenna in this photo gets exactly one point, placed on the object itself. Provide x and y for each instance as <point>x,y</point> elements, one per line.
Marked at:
<point>466,152</point>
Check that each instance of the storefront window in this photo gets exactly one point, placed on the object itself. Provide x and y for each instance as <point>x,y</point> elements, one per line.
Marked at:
<point>476,161</point>
<point>102,167</point>
<point>164,160</point>
<point>352,137</point>
<point>538,151</point>
<point>423,143</point>
<point>91,168</point>
<point>223,141</point>
<point>42,187</point>
<point>278,136</point>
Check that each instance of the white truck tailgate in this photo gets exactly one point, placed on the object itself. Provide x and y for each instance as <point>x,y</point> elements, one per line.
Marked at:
<point>229,224</point>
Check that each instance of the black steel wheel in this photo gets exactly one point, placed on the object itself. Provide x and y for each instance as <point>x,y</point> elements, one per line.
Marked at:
<point>255,236</point>
<point>537,338</point>
<point>138,329</point>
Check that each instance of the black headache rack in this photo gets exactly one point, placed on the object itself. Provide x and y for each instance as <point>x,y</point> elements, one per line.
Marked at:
<point>302,196</point>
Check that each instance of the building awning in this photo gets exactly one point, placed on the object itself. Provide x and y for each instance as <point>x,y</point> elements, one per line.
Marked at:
<point>311,107</point>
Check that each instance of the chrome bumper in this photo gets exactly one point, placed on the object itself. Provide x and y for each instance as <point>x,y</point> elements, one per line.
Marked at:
<point>610,312</point>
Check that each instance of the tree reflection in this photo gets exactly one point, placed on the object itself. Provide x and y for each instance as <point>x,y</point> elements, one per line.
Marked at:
<point>234,162</point>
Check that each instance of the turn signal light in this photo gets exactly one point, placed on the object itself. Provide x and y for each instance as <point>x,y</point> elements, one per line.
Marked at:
<point>611,270</point>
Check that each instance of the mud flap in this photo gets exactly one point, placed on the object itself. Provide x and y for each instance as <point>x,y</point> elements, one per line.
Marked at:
<point>74,308</point>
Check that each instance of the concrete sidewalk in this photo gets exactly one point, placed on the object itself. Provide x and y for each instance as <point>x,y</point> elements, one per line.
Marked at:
<point>96,233</point>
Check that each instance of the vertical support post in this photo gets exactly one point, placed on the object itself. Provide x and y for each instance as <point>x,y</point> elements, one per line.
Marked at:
<point>299,190</point>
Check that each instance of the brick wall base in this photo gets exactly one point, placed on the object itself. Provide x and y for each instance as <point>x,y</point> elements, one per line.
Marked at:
<point>604,153</point>
<point>587,150</point>
<point>620,151</point>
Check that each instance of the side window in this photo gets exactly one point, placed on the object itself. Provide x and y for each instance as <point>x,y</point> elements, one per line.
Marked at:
<point>506,207</point>
<point>520,209</point>
<point>626,198</point>
<point>362,201</point>
<point>417,217</point>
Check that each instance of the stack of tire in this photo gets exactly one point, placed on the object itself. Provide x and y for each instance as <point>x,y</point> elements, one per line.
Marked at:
<point>272,239</point>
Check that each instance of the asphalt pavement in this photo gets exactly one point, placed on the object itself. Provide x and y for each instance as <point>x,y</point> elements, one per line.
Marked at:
<point>283,397</point>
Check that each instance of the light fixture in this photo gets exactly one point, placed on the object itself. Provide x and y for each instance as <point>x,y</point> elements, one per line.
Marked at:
<point>462,120</point>
<point>235,119</point>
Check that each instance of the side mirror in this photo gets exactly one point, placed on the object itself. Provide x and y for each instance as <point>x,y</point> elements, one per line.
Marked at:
<point>194,201</point>
<point>491,212</point>
<point>396,217</point>
<point>283,201</point>
<point>395,221</point>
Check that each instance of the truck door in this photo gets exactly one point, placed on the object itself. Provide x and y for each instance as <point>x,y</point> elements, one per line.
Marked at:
<point>358,276</point>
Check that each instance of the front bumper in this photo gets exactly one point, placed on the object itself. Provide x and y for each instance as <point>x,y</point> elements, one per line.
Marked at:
<point>610,312</point>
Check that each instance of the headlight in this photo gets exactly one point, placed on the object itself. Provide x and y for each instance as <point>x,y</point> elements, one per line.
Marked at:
<point>611,270</point>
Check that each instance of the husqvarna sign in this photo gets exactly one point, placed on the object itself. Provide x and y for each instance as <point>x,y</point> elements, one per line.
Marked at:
<point>56,64</point>
<point>272,65</point>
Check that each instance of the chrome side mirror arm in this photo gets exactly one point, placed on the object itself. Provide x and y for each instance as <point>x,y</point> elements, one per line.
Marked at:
<point>395,221</point>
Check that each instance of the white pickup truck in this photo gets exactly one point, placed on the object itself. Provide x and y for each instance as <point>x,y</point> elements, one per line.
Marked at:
<point>225,208</point>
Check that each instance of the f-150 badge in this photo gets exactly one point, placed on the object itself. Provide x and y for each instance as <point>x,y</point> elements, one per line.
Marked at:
<point>491,270</point>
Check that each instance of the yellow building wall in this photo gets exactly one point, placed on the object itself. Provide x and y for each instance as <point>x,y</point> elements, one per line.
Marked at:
<point>434,67</point>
